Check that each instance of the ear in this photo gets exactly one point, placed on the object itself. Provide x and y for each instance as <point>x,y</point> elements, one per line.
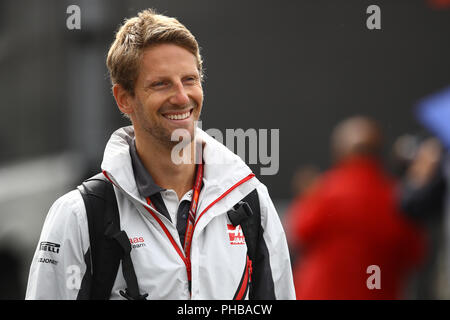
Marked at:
<point>123,99</point>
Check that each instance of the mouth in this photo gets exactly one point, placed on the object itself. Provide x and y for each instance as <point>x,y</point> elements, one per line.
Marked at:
<point>178,116</point>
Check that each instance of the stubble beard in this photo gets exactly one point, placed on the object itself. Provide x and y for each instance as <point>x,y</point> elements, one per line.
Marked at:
<point>162,135</point>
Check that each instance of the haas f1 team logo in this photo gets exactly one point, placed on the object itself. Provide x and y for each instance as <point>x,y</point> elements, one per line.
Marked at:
<point>137,242</point>
<point>236,235</point>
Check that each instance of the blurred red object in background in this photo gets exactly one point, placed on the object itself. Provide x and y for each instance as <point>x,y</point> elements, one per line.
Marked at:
<point>439,4</point>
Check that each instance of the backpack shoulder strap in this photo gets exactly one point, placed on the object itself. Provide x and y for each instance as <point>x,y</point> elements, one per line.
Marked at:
<point>103,218</point>
<point>108,244</point>
<point>247,214</point>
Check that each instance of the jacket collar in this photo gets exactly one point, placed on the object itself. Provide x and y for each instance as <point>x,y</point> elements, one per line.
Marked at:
<point>144,181</point>
<point>222,170</point>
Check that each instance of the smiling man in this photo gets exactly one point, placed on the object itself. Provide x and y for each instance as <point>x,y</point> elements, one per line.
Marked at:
<point>151,228</point>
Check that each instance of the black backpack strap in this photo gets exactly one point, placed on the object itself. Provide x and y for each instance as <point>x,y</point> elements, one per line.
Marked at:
<point>247,214</point>
<point>132,290</point>
<point>107,245</point>
<point>242,214</point>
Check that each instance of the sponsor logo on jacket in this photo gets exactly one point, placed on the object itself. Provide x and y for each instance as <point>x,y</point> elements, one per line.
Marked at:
<point>47,260</point>
<point>49,246</point>
<point>137,242</point>
<point>235,234</point>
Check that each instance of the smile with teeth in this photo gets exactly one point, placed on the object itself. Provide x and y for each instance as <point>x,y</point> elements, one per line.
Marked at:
<point>178,116</point>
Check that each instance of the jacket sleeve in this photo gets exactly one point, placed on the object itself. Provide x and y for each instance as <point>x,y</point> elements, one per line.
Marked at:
<point>58,265</point>
<point>273,273</point>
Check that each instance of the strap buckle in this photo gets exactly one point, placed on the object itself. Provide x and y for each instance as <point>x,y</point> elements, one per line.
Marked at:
<point>240,212</point>
<point>126,294</point>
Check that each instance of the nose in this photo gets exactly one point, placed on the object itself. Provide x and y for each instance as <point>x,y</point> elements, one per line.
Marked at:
<point>179,96</point>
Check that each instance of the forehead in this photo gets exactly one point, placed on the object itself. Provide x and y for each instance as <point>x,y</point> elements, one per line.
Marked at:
<point>167,60</point>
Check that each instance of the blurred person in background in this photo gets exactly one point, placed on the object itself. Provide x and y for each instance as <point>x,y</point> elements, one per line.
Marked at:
<point>349,222</point>
<point>425,192</point>
<point>422,197</point>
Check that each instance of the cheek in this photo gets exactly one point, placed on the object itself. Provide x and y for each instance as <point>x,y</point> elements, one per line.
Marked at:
<point>198,97</point>
<point>152,104</point>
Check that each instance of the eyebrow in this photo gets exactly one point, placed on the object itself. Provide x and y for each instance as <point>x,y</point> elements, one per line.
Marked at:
<point>149,81</point>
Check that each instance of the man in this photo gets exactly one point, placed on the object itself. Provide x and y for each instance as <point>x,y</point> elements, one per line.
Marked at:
<point>174,212</point>
<point>354,241</point>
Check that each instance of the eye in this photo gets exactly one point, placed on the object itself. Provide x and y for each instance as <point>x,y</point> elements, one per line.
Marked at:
<point>158,84</point>
<point>191,79</point>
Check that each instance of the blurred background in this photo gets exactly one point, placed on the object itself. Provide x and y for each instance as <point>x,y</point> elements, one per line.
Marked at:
<point>298,66</point>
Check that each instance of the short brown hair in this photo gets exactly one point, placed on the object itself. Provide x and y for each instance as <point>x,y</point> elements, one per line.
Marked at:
<point>137,33</point>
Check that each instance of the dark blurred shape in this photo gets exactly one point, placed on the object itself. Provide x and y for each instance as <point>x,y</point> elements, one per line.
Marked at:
<point>426,197</point>
<point>426,165</point>
<point>350,220</point>
<point>10,276</point>
<point>404,151</point>
<point>423,199</point>
<point>425,188</point>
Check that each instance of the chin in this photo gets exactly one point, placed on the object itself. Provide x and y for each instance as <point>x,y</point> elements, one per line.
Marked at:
<point>180,134</point>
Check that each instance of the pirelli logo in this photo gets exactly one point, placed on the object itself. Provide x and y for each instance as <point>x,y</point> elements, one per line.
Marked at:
<point>49,246</point>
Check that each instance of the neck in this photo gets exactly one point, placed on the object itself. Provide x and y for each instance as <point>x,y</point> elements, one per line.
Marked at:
<point>157,159</point>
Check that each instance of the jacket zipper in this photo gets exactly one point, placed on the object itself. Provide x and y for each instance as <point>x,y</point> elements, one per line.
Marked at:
<point>246,280</point>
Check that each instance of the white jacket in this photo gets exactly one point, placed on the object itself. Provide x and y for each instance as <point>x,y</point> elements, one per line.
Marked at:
<point>217,260</point>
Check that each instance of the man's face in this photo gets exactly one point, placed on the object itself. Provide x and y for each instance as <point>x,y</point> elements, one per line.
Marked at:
<point>168,93</point>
